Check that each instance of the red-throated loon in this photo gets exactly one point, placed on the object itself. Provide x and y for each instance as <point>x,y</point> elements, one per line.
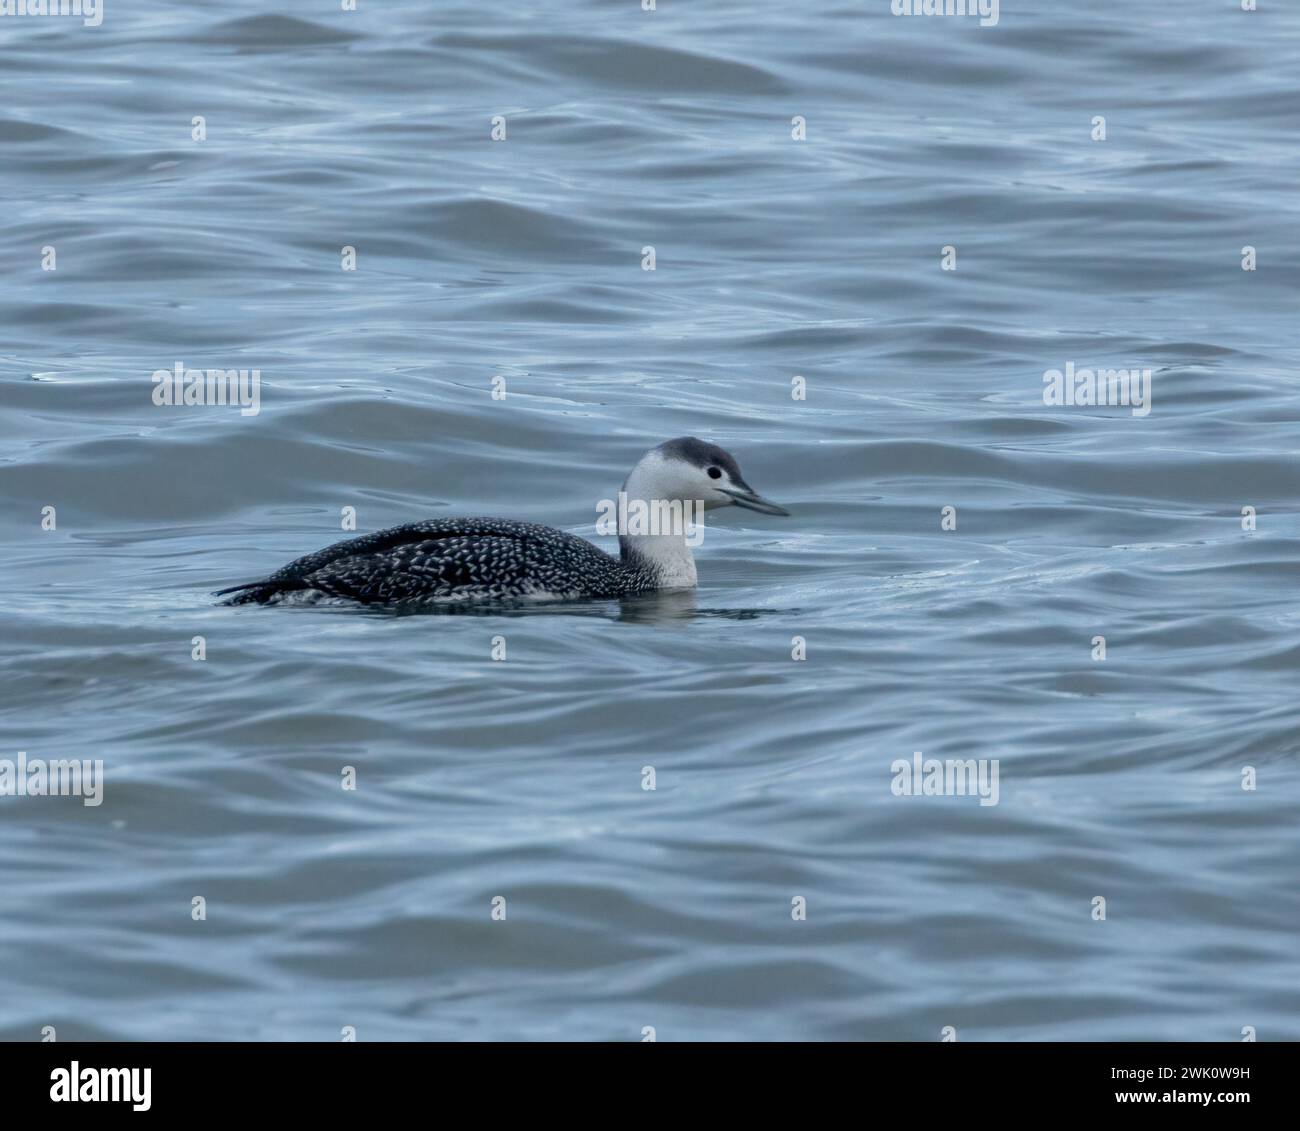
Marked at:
<point>492,559</point>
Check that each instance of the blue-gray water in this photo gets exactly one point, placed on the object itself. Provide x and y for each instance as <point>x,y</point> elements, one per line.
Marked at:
<point>775,258</point>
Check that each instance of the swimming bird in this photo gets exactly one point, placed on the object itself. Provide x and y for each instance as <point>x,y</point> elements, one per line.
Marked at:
<point>493,559</point>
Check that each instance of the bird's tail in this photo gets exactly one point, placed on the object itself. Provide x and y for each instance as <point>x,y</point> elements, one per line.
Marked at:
<point>250,593</point>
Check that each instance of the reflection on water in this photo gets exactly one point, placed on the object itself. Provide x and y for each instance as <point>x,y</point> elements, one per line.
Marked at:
<point>663,608</point>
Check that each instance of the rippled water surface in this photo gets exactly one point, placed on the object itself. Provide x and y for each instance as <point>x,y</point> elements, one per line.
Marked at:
<point>775,258</point>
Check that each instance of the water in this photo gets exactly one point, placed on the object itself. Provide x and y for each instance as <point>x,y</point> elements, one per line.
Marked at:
<point>775,259</point>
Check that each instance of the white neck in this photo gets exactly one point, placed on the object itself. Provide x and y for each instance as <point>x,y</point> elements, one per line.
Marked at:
<point>667,554</point>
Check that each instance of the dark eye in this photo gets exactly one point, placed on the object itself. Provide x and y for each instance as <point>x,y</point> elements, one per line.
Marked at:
<point>714,473</point>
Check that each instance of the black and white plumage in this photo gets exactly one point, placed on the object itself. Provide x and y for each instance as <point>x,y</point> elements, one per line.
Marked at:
<point>492,559</point>
<point>453,559</point>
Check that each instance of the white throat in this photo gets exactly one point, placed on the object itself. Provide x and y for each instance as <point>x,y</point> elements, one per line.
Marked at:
<point>666,553</point>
